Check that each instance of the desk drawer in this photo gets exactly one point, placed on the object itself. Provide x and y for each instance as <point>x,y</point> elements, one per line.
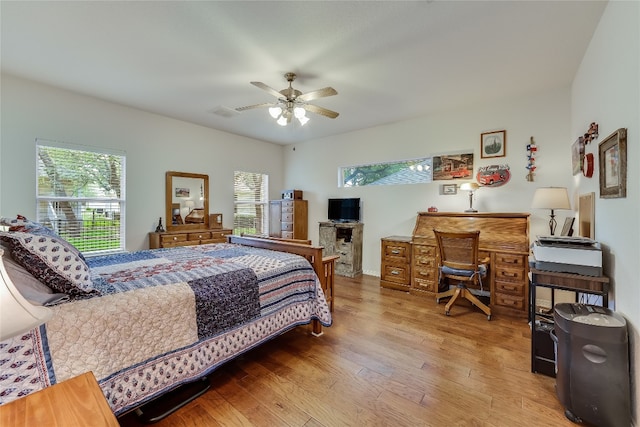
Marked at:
<point>423,285</point>
<point>424,251</point>
<point>510,274</point>
<point>397,251</point>
<point>395,273</point>
<point>506,300</point>
<point>510,260</point>
<point>425,273</point>
<point>511,288</point>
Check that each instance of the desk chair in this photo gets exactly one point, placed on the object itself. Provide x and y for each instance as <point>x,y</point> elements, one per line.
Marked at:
<point>459,261</point>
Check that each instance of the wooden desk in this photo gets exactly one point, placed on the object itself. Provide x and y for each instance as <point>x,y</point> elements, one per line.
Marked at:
<point>77,402</point>
<point>542,356</point>
<point>504,238</point>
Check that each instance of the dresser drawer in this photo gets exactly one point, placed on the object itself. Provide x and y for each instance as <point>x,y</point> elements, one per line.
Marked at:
<point>199,236</point>
<point>286,226</point>
<point>220,236</point>
<point>287,217</point>
<point>510,274</point>
<point>287,234</point>
<point>506,300</point>
<point>512,288</point>
<point>287,205</point>
<point>173,238</point>
<point>180,243</point>
<point>395,273</point>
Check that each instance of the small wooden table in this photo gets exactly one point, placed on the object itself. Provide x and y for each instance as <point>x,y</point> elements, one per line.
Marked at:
<point>77,402</point>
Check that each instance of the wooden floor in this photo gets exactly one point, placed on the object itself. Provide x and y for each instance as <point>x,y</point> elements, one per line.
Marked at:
<point>390,359</point>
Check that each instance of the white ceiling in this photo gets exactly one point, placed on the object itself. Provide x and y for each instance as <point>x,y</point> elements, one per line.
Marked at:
<point>389,61</point>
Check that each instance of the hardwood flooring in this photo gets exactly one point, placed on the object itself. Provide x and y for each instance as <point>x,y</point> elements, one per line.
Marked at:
<point>390,359</point>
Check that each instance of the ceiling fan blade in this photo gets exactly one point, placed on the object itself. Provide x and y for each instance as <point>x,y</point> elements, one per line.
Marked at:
<point>315,94</point>
<point>271,90</point>
<point>249,107</point>
<point>321,111</point>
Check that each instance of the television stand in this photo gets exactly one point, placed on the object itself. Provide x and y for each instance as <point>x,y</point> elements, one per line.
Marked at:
<point>345,240</point>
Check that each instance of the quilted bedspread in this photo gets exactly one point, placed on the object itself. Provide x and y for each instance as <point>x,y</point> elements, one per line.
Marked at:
<point>164,317</point>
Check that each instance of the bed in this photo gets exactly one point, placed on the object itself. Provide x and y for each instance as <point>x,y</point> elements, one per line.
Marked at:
<point>147,322</point>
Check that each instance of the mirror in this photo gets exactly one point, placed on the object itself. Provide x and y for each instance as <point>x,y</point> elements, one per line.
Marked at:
<point>187,204</point>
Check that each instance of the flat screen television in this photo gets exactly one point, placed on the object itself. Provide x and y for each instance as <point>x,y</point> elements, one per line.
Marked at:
<point>344,210</point>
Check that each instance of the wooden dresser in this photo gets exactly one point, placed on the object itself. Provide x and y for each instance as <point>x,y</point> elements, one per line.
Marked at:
<point>288,219</point>
<point>504,238</point>
<point>395,262</point>
<point>343,239</point>
<point>170,239</point>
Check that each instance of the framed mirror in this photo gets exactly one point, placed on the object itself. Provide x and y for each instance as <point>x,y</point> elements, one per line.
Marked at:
<point>186,199</point>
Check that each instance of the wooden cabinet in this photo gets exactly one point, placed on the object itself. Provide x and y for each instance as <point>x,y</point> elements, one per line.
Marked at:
<point>343,239</point>
<point>288,219</point>
<point>171,239</point>
<point>504,238</point>
<point>395,262</point>
<point>77,402</point>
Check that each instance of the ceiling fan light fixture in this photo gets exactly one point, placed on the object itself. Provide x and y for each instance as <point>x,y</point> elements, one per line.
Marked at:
<point>303,120</point>
<point>275,112</point>
<point>299,112</point>
<point>282,121</point>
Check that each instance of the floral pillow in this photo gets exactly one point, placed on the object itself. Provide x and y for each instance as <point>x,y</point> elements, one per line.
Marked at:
<point>52,260</point>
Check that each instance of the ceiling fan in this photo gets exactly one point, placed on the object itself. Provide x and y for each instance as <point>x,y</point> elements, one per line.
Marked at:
<point>293,103</point>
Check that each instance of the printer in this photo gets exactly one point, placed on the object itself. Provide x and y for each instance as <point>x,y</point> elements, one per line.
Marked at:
<point>567,254</point>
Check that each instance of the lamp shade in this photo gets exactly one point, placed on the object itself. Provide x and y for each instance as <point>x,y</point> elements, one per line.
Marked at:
<point>469,186</point>
<point>551,198</point>
<point>17,315</point>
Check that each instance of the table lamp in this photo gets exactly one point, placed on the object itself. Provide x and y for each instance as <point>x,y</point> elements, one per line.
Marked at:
<point>551,198</point>
<point>17,315</point>
<point>471,187</point>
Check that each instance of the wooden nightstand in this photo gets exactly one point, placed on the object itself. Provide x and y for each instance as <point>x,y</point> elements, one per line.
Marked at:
<point>75,402</point>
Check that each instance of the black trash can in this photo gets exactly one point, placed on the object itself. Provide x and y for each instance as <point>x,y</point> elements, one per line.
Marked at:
<point>592,371</point>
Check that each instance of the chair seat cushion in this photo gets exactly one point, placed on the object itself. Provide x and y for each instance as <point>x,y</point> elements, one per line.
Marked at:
<point>482,268</point>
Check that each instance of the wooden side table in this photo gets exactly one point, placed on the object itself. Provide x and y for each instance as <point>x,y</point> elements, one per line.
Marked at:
<point>328,262</point>
<point>77,402</point>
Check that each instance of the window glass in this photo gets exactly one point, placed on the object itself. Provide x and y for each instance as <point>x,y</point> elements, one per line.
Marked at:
<point>251,202</point>
<point>414,171</point>
<point>80,195</point>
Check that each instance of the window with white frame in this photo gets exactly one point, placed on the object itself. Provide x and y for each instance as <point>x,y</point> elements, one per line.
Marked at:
<point>251,203</point>
<point>80,194</point>
<point>413,171</point>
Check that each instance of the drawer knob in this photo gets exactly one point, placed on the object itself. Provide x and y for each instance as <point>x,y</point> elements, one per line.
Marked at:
<point>395,272</point>
<point>395,252</point>
<point>175,238</point>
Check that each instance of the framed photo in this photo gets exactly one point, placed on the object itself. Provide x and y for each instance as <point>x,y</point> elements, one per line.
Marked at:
<point>612,160</point>
<point>493,144</point>
<point>567,228</point>
<point>449,189</point>
<point>577,155</point>
<point>182,192</point>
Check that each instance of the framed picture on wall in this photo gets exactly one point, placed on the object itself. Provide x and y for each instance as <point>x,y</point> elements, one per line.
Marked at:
<point>577,155</point>
<point>493,144</point>
<point>449,189</point>
<point>613,165</point>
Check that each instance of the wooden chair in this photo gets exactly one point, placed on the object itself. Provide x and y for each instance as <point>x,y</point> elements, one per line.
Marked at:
<point>459,261</point>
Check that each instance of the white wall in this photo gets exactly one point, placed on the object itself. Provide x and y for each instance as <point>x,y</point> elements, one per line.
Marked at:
<point>606,90</point>
<point>391,210</point>
<point>153,145</point>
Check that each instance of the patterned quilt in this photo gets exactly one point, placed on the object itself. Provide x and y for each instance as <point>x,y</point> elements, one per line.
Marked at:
<point>164,317</point>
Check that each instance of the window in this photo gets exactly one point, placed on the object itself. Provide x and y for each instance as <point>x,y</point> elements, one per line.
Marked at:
<point>414,171</point>
<point>251,203</point>
<point>80,195</point>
